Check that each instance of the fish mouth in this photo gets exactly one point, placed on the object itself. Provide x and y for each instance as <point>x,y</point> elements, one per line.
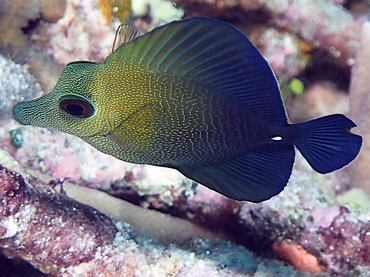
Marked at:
<point>18,114</point>
<point>33,112</point>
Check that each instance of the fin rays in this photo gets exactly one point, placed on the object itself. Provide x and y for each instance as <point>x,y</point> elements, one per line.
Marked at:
<point>192,58</point>
<point>326,143</point>
<point>187,50</point>
<point>174,48</point>
<point>256,175</point>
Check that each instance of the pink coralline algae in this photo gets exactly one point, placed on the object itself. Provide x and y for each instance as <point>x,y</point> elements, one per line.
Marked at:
<point>62,237</point>
<point>346,244</point>
<point>304,226</point>
<point>360,109</point>
<point>43,227</point>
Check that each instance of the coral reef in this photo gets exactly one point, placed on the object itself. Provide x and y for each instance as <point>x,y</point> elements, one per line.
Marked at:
<point>360,109</point>
<point>16,84</point>
<point>17,15</point>
<point>82,34</point>
<point>165,229</point>
<point>307,226</point>
<point>65,238</point>
<point>297,256</point>
<point>160,11</point>
<point>40,225</point>
<point>318,99</point>
<point>119,9</point>
<point>303,225</point>
<point>304,220</point>
<point>17,20</point>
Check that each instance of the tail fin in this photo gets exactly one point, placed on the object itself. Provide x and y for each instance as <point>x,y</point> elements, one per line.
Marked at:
<point>327,143</point>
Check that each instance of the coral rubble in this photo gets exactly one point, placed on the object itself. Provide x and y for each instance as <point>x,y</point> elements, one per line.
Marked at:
<point>360,109</point>
<point>43,227</point>
<point>65,238</point>
<point>17,15</point>
<point>307,226</point>
<point>16,84</point>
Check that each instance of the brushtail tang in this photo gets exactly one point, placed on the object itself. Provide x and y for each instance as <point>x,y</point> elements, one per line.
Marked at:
<point>197,96</point>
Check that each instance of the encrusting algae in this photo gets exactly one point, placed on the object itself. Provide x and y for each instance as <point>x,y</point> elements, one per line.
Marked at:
<point>15,16</point>
<point>197,96</point>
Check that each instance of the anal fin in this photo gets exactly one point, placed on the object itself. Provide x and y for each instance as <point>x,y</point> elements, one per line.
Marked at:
<point>255,175</point>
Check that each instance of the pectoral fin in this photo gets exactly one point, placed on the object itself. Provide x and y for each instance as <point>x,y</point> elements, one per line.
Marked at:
<point>142,130</point>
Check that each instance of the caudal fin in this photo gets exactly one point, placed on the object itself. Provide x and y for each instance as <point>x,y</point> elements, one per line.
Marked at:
<point>327,143</point>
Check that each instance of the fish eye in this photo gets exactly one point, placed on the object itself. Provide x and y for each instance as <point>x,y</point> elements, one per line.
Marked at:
<point>77,107</point>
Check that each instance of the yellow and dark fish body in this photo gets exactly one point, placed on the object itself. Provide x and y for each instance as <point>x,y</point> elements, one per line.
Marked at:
<point>197,96</point>
<point>168,119</point>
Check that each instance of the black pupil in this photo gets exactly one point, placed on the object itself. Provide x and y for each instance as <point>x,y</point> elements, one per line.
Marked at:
<point>77,107</point>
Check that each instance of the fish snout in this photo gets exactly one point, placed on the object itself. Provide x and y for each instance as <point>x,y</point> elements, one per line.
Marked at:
<point>19,114</point>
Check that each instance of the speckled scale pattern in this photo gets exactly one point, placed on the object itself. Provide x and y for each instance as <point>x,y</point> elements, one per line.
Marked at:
<point>157,123</point>
<point>168,97</point>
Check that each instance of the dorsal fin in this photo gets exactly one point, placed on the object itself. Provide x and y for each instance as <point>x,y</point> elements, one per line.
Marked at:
<point>216,54</point>
<point>125,33</point>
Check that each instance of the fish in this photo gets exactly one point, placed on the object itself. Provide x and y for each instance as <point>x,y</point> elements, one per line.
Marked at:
<point>197,96</point>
